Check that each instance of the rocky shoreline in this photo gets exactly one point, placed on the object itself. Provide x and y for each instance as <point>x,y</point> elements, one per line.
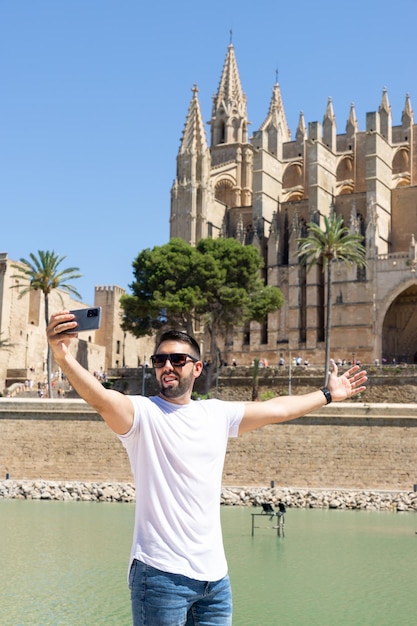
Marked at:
<point>369,500</point>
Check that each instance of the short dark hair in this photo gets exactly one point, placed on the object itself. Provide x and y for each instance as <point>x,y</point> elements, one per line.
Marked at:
<point>179,335</point>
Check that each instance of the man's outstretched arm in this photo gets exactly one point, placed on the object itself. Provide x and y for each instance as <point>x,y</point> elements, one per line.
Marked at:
<point>115,408</point>
<point>286,408</point>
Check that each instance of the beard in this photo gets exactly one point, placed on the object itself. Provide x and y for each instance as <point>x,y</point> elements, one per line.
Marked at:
<point>184,384</point>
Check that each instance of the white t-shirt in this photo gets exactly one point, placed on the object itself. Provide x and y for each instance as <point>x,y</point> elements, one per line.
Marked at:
<point>177,455</point>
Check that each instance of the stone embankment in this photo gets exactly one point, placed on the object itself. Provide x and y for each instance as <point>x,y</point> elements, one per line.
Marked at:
<point>341,446</point>
<point>230,496</point>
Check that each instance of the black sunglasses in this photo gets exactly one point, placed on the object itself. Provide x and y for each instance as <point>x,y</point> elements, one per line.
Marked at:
<point>177,359</point>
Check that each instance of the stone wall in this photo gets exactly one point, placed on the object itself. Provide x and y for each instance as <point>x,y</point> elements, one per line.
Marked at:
<point>385,384</point>
<point>57,440</point>
<point>345,445</point>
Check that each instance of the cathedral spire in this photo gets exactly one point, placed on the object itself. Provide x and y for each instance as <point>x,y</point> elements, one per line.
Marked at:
<point>276,115</point>
<point>329,126</point>
<point>352,127</point>
<point>301,133</point>
<point>230,89</point>
<point>407,106</point>
<point>385,116</point>
<point>194,135</point>
<point>352,123</point>
<point>407,115</point>
<point>229,117</point>
<point>329,115</point>
<point>191,190</point>
<point>385,105</point>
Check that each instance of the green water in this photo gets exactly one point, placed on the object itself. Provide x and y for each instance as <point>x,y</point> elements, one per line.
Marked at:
<point>66,564</point>
<point>333,568</point>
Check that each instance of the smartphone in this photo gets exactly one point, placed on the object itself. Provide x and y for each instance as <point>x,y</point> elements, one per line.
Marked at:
<point>87,319</point>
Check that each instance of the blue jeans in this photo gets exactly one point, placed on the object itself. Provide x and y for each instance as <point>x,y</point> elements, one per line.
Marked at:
<point>163,599</point>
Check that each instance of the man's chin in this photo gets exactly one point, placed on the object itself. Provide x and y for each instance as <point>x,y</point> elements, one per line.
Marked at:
<point>171,391</point>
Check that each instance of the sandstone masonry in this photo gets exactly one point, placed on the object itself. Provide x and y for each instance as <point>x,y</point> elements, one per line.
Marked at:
<point>343,446</point>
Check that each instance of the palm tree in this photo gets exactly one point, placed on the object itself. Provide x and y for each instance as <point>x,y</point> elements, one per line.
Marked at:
<point>42,274</point>
<point>324,247</point>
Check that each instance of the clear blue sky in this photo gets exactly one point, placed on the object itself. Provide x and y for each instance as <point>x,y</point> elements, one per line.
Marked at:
<point>94,97</point>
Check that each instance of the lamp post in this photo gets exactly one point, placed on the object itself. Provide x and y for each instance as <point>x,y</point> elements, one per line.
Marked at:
<point>144,368</point>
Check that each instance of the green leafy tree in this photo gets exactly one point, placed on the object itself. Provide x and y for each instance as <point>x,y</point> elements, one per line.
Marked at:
<point>325,248</point>
<point>165,290</point>
<point>217,282</point>
<point>42,273</point>
<point>233,287</point>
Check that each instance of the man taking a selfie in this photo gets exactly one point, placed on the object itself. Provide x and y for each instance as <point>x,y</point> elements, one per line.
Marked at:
<point>176,447</point>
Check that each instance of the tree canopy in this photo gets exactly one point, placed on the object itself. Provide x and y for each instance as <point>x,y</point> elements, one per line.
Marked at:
<point>333,243</point>
<point>217,282</point>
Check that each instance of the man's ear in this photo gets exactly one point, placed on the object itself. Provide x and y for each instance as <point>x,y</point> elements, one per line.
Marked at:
<point>198,368</point>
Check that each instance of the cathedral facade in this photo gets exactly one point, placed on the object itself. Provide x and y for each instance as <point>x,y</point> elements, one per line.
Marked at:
<point>264,189</point>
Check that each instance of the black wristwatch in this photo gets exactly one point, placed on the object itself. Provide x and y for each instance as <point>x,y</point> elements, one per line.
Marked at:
<point>327,394</point>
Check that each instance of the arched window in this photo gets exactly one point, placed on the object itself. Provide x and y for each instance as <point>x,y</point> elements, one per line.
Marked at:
<point>401,168</point>
<point>293,176</point>
<point>401,162</point>
<point>224,192</point>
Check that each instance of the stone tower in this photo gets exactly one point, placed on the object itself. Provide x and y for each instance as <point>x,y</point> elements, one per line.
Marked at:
<point>122,348</point>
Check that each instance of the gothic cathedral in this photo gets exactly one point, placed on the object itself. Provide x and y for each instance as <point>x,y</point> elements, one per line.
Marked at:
<point>264,189</point>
